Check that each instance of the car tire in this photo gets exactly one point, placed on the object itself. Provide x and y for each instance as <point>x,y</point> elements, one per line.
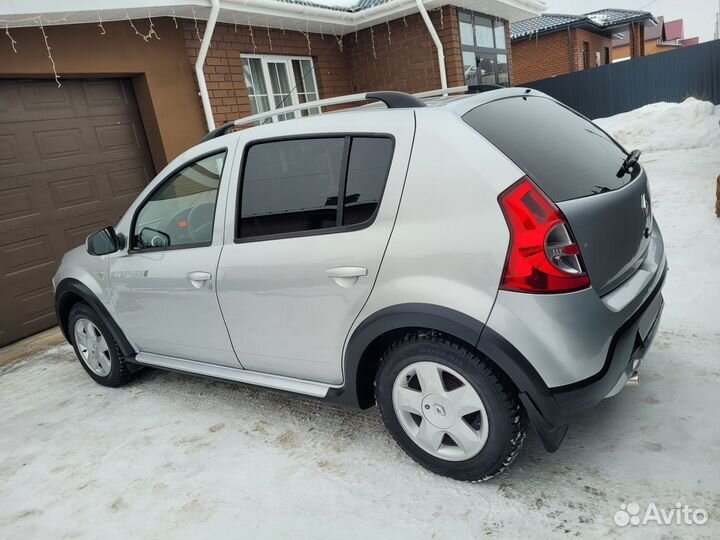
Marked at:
<point>439,438</point>
<point>96,348</point>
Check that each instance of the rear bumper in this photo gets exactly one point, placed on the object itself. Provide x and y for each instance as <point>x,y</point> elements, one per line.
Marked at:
<point>627,349</point>
<point>550,408</point>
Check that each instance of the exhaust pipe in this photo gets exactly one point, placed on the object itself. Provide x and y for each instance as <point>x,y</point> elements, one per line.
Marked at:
<point>634,379</point>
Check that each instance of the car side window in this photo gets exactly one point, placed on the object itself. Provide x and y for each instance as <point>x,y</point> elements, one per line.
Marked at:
<point>181,211</point>
<point>292,187</point>
<point>367,172</point>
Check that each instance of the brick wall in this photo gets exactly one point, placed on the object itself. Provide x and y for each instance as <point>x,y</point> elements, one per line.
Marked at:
<point>597,44</point>
<point>622,51</point>
<point>405,58</point>
<point>651,47</point>
<point>637,40</point>
<point>550,55</point>
<point>224,70</point>
<point>540,57</point>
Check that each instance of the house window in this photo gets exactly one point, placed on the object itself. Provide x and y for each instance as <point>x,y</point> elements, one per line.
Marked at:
<point>586,55</point>
<point>485,58</point>
<point>280,81</point>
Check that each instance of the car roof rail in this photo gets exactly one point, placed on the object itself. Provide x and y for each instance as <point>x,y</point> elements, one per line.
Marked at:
<point>393,100</point>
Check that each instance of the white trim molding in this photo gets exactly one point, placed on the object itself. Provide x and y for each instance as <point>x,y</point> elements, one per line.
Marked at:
<point>272,13</point>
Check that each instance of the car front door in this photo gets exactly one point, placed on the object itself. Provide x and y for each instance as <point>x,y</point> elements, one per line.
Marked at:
<point>163,284</point>
<point>305,241</point>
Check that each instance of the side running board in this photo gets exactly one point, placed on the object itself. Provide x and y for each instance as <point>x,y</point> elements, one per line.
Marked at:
<point>277,382</point>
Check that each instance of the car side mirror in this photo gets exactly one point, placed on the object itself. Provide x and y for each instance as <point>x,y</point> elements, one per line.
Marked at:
<point>104,241</point>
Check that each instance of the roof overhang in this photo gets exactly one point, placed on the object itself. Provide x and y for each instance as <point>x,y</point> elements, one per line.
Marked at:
<point>584,23</point>
<point>272,13</point>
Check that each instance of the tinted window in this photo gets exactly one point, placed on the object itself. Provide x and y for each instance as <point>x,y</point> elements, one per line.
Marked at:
<point>181,212</point>
<point>567,156</point>
<point>367,171</point>
<point>290,186</point>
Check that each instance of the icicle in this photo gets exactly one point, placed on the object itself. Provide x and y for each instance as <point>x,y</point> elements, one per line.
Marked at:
<point>152,31</point>
<point>389,32</point>
<point>252,35</point>
<point>267,27</point>
<point>405,21</point>
<point>372,39</point>
<point>197,30</point>
<point>356,36</point>
<point>12,41</point>
<point>307,36</point>
<point>100,24</point>
<point>442,19</point>
<point>338,39</point>
<point>47,46</point>
<point>174,18</point>
<point>282,27</point>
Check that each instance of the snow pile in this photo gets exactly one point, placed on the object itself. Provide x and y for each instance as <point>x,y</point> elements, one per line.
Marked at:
<point>667,126</point>
<point>601,19</point>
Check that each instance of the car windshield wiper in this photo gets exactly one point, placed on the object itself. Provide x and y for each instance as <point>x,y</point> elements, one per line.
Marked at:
<point>630,161</point>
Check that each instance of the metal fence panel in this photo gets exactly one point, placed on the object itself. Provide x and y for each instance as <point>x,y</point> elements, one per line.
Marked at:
<point>615,88</point>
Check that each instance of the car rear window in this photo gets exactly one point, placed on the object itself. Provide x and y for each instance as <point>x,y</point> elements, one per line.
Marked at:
<point>566,155</point>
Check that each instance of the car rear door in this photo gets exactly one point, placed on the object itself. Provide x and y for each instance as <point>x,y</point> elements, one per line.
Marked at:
<point>297,266</point>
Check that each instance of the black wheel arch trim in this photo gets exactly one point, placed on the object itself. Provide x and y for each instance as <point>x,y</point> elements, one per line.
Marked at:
<point>543,411</point>
<point>397,317</point>
<point>70,287</point>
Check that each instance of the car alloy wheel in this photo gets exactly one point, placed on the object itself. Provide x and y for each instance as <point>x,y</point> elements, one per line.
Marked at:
<point>440,411</point>
<point>92,346</point>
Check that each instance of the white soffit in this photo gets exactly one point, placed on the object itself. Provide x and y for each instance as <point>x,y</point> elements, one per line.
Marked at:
<point>289,15</point>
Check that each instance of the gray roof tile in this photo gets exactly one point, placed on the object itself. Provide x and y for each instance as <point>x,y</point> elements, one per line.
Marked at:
<point>602,19</point>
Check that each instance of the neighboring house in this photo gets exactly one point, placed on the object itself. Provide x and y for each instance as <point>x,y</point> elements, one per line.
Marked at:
<point>666,36</point>
<point>73,157</point>
<point>556,44</point>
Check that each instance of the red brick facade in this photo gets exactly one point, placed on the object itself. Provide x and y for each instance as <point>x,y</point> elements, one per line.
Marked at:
<point>224,69</point>
<point>404,58</point>
<point>637,40</point>
<point>558,53</point>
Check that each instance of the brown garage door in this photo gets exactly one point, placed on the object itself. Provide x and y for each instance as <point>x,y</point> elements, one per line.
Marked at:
<point>72,159</point>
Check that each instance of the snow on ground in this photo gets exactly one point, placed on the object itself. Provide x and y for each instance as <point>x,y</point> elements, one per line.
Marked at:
<point>692,124</point>
<point>172,456</point>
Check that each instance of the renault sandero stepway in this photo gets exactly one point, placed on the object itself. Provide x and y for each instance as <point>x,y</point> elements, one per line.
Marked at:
<point>474,265</point>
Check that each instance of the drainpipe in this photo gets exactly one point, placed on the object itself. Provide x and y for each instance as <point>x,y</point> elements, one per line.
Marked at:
<point>200,62</point>
<point>438,44</point>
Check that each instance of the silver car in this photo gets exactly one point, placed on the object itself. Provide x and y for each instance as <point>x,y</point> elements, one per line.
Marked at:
<point>473,265</point>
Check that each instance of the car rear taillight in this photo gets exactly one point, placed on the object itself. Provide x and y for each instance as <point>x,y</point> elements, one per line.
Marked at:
<point>543,256</point>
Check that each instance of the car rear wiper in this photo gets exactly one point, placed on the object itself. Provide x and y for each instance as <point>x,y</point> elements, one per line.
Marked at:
<point>630,161</point>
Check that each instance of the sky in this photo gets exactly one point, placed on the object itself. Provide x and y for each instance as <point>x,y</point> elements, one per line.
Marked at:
<point>699,15</point>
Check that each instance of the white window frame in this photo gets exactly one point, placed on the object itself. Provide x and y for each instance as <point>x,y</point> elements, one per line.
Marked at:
<point>294,97</point>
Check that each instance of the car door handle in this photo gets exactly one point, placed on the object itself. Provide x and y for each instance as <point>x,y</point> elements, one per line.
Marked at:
<point>346,271</point>
<point>199,279</point>
<point>346,276</point>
